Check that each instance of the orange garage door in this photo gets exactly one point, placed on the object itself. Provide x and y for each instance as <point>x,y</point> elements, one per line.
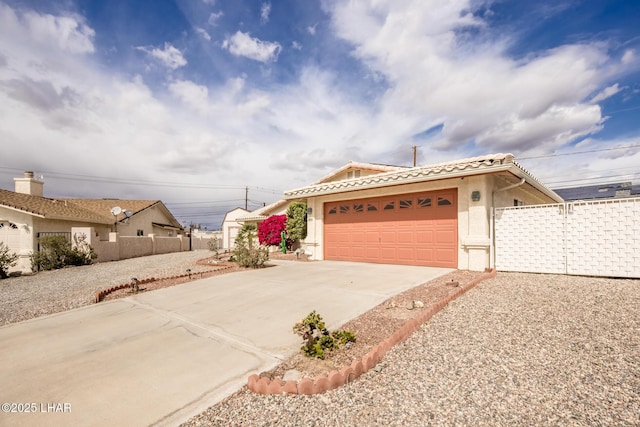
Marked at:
<point>412,229</point>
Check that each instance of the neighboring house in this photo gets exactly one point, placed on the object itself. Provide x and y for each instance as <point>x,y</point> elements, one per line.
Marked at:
<point>231,227</point>
<point>594,192</point>
<point>437,215</point>
<point>25,215</point>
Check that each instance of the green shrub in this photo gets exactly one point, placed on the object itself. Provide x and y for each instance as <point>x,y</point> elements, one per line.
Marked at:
<point>297,220</point>
<point>247,252</point>
<point>317,337</point>
<point>6,260</point>
<point>56,252</point>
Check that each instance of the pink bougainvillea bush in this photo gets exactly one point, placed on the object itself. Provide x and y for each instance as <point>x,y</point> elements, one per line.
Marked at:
<point>270,229</point>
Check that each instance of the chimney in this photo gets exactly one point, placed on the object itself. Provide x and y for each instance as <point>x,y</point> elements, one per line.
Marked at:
<point>29,185</point>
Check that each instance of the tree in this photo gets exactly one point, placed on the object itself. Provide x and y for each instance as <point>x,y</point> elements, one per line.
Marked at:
<point>297,220</point>
<point>270,230</point>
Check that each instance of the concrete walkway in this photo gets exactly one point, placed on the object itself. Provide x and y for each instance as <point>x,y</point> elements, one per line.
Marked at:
<point>162,357</point>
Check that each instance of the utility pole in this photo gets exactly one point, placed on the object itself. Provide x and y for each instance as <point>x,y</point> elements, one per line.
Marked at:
<point>415,156</point>
<point>246,198</point>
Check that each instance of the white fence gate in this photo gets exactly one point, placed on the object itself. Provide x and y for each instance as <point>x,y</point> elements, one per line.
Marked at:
<point>592,238</point>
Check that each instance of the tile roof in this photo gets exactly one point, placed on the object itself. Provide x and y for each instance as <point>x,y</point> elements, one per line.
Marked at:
<point>103,206</point>
<point>472,166</point>
<point>50,208</point>
<point>358,165</point>
<point>264,212</point>
<point>87,210</point>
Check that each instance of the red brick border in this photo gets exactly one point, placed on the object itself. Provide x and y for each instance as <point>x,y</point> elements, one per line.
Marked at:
<point>335,379</point>
<point>103,293</point>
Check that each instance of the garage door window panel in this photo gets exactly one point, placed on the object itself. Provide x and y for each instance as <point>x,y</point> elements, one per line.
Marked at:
<point>406,203</point>
<point>424,202</point>
<point>444,201</point>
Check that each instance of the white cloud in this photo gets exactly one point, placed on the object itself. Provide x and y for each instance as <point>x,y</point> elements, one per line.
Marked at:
<point>214,17</point>
<point>607,92</point>
<point>169,56</point>
<point>470,85</point>
<point>203,33</point>
<point>629,57</point>
<point>196,96</point>
<point>265,10</point>
<point>242,44</point>
<point>68,33</point>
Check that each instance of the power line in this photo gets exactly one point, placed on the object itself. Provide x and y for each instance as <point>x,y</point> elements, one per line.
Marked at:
<point>578,152</point>
<point>213,202</point>
<point>597,180</point>
<point>112,180</point>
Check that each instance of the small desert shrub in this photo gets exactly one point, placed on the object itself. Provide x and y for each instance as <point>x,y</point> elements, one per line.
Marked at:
<point>56,252</point>
<point>6,260</point>
<point>317,337</point>
<point>247,252</point>
<point>214,246</point>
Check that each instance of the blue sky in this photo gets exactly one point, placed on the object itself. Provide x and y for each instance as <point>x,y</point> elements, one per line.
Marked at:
<point>192,101</point>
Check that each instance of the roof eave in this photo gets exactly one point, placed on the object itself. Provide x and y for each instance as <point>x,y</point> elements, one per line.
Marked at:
<point>251,218</point>
<point>308,192</point>
<point>521,173</point>
<point>78,219</point>
<point>25,211</point>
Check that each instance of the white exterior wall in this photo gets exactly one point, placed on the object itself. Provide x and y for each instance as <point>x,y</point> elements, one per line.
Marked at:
<point>598,238</point>
<point>23,243</point>
<point>530,239</point>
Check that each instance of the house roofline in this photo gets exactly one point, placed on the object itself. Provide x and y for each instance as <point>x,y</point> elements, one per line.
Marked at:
<point>466,167</point>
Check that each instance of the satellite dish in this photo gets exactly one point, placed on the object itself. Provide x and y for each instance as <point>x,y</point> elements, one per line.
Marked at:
<point>116,211</point>
<point>128,213</point>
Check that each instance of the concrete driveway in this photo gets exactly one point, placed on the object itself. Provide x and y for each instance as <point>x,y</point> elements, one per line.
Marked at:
<point>162,357</point>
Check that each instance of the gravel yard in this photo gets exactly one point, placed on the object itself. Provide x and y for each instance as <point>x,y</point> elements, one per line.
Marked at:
<point>519,349</point>
<point>48,292</point>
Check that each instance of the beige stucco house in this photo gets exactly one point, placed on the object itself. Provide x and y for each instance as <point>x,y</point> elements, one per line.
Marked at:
<point>25,215</point>
<point>434,215</point>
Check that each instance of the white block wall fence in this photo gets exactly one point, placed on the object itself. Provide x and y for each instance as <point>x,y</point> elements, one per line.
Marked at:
<point>591,238</point>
